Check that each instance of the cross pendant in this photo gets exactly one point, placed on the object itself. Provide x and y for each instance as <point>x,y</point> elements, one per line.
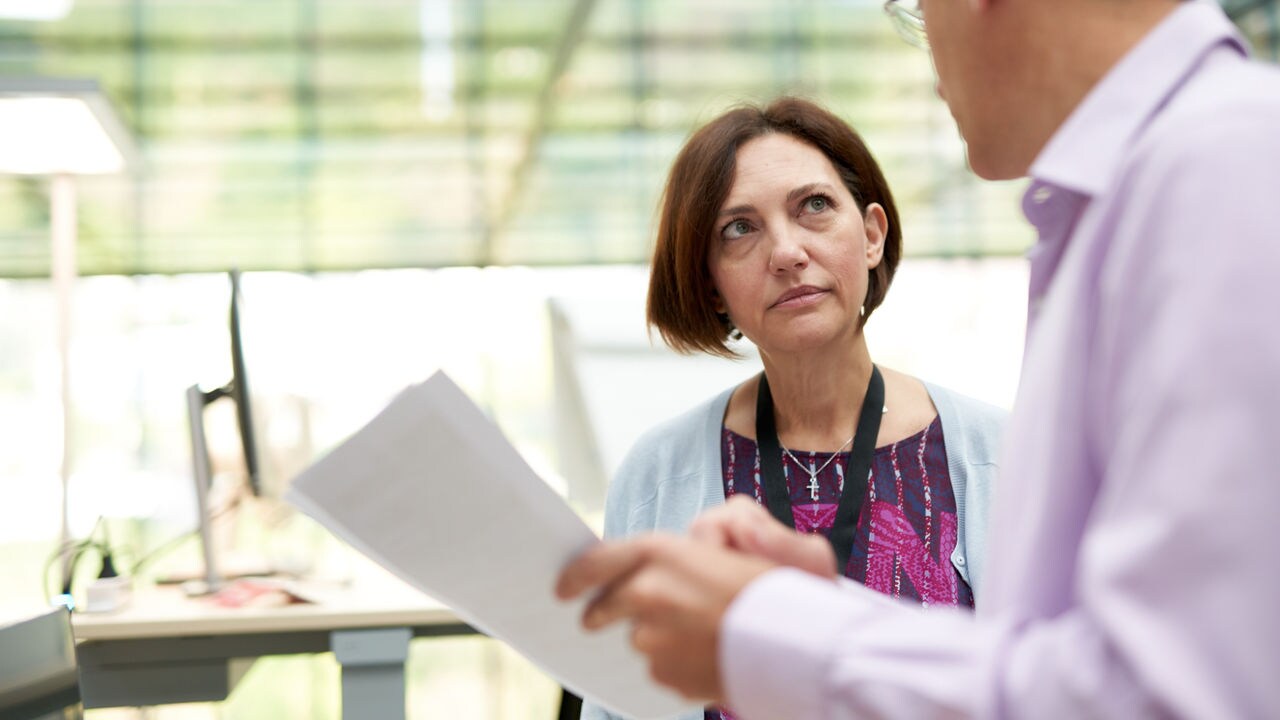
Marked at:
<point>813,487</point>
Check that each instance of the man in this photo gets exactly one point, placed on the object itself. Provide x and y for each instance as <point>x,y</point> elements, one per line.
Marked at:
<point>1131,571</point>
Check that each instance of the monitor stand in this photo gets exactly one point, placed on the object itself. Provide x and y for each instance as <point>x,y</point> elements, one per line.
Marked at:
<point>196,401</point>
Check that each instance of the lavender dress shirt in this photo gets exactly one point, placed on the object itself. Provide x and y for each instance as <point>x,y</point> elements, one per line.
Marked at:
<point>1132,568</point>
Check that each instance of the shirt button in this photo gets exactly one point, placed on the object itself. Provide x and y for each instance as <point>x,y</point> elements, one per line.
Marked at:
<point>960,561</point>
<point>1041,195</point>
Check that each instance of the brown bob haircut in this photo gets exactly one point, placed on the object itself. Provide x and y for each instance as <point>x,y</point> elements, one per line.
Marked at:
<point>681,302</point>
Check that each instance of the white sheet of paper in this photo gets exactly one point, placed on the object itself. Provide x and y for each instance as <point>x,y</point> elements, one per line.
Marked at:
<point>432,491</point>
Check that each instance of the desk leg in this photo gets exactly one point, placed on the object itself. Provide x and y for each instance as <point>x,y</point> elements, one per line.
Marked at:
<point>372,672</point>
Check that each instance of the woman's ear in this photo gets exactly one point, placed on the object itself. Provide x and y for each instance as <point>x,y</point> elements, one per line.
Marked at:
<point>876,224</point>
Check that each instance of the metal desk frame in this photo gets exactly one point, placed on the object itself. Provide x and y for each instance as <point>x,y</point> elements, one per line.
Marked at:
<point>171,649</point>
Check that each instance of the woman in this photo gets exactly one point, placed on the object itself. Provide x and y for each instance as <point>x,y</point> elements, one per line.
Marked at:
<point>778,224</point>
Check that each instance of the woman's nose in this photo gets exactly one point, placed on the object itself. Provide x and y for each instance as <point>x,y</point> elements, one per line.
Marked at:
<point>788,252</point>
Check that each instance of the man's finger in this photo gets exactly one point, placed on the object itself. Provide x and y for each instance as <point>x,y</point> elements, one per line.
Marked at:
<point>632,594</point>
<point>601,565</point>
<point>610,606</point>
<point>711,527</point>
<point>729,524</point>
<point>742,524</point>
<point>811,553</point>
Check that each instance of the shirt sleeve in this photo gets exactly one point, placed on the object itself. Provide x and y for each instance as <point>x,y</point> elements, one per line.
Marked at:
<point>797,646</point>
<point>1173,609</point>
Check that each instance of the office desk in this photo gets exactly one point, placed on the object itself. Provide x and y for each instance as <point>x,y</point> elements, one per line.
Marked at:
<point>168,648</point>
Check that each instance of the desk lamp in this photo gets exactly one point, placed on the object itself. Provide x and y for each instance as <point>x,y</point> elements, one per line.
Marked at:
<point>59,128</point>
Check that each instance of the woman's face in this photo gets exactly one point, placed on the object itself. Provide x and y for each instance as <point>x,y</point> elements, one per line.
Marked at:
<point>791,250</point>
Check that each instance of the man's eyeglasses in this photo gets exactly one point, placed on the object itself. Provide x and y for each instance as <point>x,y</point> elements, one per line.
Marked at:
<point>908,21</point>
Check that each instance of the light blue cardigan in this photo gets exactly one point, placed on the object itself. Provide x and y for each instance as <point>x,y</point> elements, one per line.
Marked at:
<point>674,472</point>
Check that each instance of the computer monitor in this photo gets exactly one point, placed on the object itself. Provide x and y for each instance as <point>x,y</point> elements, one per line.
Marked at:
<point>237,389</point>
<point>39,679</point>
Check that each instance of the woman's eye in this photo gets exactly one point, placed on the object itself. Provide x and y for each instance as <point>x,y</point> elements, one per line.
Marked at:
<point>737,228</point>
<point>817,203</point>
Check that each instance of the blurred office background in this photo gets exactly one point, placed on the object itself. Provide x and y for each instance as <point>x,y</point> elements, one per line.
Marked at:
<point>411,185</point>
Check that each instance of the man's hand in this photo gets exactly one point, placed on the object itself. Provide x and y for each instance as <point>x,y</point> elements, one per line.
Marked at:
<point>675,591</point>
<point>742,524</point>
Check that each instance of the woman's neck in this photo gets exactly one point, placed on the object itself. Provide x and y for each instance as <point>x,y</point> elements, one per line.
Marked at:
<point>817,397</point>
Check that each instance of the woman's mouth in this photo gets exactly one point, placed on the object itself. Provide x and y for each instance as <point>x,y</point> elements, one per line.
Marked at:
<point>799,297</point>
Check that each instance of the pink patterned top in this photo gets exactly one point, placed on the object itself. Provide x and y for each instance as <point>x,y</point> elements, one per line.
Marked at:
<point>907,529</point>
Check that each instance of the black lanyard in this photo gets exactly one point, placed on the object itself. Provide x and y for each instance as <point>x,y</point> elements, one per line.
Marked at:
<point>778,497</point>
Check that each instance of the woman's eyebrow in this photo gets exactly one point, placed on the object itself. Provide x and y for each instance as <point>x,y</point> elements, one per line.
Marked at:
<point>738,210</point>
<point>799,192</point>
<point>807,189</point>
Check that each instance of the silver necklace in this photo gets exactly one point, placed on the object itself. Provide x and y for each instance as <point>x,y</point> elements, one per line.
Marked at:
<point>813,474</point>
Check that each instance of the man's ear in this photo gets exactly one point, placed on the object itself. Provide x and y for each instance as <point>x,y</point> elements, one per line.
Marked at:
<point>876,224</point>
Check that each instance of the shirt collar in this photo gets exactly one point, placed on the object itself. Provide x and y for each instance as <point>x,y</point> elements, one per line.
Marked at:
<point>1086,151</point>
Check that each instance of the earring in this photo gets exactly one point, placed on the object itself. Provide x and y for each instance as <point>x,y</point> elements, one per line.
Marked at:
<point>729,328</point>
<point>862,311</point>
